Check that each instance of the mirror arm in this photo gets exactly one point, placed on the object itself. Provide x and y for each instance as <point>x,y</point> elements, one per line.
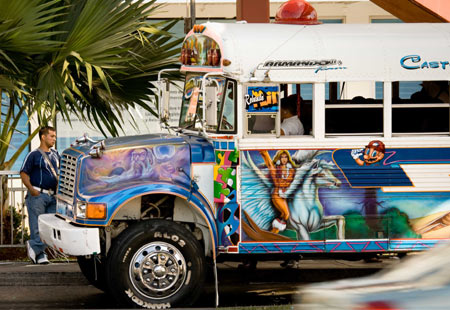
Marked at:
<point>204,101</point>
<point>160,90</point>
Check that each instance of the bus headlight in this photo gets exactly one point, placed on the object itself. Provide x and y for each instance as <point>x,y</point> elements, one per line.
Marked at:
<point>81,210</point>
<point>88,210</point>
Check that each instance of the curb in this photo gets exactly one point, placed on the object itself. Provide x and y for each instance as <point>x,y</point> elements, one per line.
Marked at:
<point>54,274</point>
<point>43,279</point>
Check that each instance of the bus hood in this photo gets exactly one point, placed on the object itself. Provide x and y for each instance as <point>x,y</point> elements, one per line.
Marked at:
<point>137,160</point>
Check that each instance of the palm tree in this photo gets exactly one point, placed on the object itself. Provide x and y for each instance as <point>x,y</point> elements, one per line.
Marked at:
<point>89,59</point>
<point>110,57</point>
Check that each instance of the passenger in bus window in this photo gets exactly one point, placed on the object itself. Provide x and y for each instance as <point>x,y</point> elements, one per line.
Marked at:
<point>290,124</point>
<point>432,92</point>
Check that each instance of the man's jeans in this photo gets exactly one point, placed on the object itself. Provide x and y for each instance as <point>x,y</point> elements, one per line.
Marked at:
<point>37,205</point>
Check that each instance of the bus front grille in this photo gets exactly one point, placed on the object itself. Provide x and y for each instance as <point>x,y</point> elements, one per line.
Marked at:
<point>67,176</point>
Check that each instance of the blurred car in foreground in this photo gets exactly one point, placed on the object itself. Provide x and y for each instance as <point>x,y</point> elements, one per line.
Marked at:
<point>419,282</point>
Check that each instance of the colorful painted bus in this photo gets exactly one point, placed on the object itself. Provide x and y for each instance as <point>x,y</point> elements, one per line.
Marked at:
<point>370,174</point>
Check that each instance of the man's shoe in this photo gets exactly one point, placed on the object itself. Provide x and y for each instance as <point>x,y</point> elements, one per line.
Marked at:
<point>30,252</point>
<point>42,259</point>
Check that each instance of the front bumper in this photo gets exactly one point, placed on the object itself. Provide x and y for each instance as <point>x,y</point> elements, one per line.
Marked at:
<point>67,238</point>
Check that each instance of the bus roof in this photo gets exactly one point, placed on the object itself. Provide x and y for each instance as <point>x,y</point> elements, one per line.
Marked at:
<point>333,52</point>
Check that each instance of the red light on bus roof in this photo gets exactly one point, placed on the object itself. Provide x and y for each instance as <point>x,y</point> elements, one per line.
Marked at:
<point>297,12</point>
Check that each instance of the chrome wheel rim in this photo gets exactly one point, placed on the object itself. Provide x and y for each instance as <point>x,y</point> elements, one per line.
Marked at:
<point>157,270</point>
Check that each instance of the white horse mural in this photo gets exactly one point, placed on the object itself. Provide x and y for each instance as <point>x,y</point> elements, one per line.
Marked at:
<point>306,210</point>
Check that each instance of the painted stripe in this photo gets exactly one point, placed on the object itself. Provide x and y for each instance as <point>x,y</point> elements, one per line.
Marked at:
<point>425,178</point>
<point>352,246</point>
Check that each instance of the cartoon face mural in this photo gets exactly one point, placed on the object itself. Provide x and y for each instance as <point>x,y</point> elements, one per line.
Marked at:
<point>327,194</point>
<point>127,167</point>
<point>372,153</point>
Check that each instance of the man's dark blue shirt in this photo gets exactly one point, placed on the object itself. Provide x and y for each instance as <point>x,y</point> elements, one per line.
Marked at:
<point>39,171</point>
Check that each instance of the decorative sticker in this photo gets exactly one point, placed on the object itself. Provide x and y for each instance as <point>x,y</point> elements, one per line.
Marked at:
<point>262,99</point>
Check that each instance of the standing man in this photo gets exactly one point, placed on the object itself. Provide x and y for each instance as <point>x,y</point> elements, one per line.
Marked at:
<point>39,175</point>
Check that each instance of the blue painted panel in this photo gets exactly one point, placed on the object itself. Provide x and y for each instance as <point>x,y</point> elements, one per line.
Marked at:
<point>415,244</point>
<point>117,198</point>
<point>357,246</point>
<point>202,151</point>
<point>281,247</point>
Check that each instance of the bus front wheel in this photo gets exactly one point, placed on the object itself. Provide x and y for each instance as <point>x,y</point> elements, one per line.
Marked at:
<point>156,264</point>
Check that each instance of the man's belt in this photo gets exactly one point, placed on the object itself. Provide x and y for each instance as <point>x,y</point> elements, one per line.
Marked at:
<point>45,191</point>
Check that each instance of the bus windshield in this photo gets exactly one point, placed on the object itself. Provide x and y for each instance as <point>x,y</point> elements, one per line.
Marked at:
<point>192,105</point>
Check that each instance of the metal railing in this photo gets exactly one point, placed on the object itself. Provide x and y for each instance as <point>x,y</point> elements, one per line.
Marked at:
<point>13,213</point>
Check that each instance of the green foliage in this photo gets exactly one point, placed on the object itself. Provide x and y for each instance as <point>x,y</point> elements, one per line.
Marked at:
<point>392,222</point>
<point>290,233</point>
<point>15,216</point>
<point>356,226</point>
<point>325,233</point>
<point>397,224</point>
<point>89,59</point>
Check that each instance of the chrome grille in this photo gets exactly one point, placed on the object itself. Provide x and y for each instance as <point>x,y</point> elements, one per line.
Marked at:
<point>68,171</point>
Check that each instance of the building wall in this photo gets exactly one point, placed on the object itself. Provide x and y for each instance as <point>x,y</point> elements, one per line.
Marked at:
<point>352,12</point>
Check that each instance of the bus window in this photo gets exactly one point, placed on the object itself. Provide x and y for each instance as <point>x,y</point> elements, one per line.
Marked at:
<point>304,108</point>
<point>348,113</point>
<point>261,123</point>
<point>420,107</point>
<point>228,111</point>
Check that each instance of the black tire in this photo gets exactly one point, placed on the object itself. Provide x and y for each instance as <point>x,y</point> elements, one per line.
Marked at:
<point>156,264</point>
<point>402,255</point>
<point>94,270</point>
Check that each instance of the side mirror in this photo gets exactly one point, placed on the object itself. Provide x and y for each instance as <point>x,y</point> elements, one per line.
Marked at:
<point>164,100</point>
<point>211,105</point>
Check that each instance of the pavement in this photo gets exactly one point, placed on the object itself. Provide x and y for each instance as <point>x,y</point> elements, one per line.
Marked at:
<point>27,274</point>
<point>61,285</point>
<point>69,274</point>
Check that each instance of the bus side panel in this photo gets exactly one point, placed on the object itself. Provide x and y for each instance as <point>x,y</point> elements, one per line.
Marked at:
<point>372,194</point>
<point>225,198</point>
